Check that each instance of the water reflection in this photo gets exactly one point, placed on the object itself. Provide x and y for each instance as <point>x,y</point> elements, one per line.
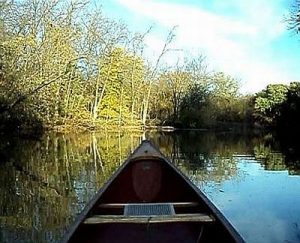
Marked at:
<point>278,153</point>
<point>44,184</point>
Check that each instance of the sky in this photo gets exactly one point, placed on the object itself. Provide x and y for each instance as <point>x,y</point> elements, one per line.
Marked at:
<point>247,39</point>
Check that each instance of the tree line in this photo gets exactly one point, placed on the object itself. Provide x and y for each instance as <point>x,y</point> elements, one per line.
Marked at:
<point>278,106</point>
<point>63,63</point>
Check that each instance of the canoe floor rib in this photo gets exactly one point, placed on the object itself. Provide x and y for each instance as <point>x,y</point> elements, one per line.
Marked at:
<point>104,219</point>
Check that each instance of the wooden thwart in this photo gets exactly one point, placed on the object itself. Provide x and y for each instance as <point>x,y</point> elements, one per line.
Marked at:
<point>103,219</point>
<point>175,204</point>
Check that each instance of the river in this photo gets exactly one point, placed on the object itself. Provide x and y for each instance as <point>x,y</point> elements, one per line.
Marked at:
<point>253,179</point>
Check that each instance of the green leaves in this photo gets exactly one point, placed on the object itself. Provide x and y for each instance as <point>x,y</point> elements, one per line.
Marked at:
<point>268,103</point>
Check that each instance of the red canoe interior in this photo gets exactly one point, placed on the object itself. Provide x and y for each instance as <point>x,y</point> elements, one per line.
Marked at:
<point>150,180</point>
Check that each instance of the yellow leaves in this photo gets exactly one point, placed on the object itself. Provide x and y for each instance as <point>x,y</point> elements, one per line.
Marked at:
<point>17,51</point>
<point>121,74</point>
<point>92,61</point>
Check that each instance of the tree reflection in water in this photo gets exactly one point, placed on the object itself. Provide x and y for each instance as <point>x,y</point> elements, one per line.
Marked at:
<point>44,184</point>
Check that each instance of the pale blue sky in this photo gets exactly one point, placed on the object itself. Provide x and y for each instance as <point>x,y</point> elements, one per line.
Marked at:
<point>247,39</point>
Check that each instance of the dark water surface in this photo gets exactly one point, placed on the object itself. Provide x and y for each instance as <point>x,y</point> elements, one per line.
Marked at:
<point>253,179</point>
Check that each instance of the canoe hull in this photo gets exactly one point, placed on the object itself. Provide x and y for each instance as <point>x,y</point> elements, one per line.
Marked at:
<point>147,178</point>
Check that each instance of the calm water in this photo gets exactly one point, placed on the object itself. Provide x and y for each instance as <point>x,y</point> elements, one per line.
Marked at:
<point>253,180</point>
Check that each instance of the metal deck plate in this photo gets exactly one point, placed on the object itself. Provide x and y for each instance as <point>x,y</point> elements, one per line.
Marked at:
<point>146,209</point>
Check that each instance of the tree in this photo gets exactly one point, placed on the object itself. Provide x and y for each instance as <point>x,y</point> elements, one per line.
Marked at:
<point>60,66</point>
<point>294,17</point>
<point>177,83</point>
<point>223,96</point>
<point>195,98</point>
<point>39,57</point>
<point>120,83</point>
<point>193,106</point>
<point>99,38</point>
<point>290,108</point>
<point>268,103</point>
<point>151,77</point>
<point>64,63</point>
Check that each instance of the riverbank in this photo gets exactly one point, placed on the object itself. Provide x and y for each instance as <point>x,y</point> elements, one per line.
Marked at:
<point>35,130</point>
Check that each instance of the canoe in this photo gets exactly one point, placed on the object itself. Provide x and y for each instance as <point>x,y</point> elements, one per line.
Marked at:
<point>149,200</point>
